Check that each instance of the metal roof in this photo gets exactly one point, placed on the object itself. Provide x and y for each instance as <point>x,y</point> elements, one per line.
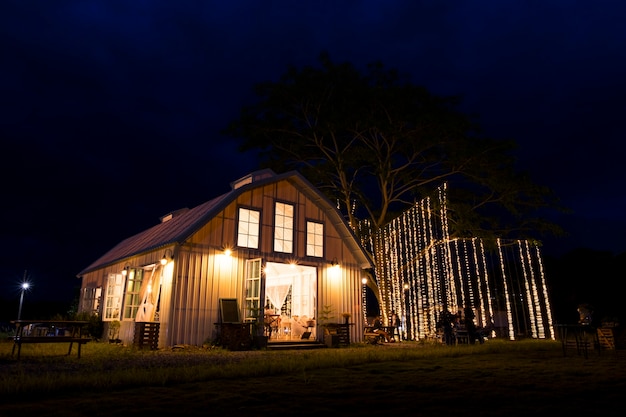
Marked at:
<point>184,223</point>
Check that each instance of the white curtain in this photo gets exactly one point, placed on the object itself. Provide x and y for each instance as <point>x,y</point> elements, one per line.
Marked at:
<point>277,294</point>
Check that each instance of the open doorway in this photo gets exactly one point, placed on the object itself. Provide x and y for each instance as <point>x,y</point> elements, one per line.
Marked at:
<point>290,304</point>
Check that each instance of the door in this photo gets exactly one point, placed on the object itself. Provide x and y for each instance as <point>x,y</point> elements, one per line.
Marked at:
<point>290,301</point>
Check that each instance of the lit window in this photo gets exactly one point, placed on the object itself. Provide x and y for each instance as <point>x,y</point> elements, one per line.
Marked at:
<point>132,300</point>
<point>314,239</point>
<point>248,228</point>
<point>113,302</point>
<point>283,228</point>
<point>91,300</point>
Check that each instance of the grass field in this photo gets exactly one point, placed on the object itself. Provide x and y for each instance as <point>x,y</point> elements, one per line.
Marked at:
<point>499,378</point>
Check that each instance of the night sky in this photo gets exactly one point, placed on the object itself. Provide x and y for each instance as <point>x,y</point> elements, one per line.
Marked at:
<point>112,110</point>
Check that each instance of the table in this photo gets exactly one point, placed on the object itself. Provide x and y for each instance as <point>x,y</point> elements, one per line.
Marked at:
<point>49,331</point>
<point>584,337</point>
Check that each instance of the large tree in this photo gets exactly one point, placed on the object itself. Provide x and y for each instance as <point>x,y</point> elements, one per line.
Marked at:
<point>375,143</point>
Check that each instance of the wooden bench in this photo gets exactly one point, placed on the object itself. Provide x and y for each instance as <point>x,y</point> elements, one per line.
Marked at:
<point>370,336</point>
<point>71,333</point>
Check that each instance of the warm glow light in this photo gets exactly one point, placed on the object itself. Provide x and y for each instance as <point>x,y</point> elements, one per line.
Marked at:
<point>363,280</point>
<point>228,252</point>
<point>167,256</point>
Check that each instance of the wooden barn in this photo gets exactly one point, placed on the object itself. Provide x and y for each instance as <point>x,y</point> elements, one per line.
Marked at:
<point>272,256</point>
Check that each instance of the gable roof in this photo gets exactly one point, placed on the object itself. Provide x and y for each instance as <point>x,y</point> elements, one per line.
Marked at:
<point>178,226</point>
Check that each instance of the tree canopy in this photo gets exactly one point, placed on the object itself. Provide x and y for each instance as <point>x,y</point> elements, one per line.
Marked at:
<point>375,143</point>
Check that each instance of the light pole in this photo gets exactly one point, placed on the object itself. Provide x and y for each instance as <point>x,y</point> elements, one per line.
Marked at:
<point>24,286</point>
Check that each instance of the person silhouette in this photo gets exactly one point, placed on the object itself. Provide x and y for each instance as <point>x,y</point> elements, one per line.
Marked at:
<point>378,328</point>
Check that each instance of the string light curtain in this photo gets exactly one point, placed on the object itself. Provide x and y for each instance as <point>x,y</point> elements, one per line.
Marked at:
<point>421,272</point>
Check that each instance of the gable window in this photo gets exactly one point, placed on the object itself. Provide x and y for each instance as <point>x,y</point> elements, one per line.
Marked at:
<point>91,299</point>
<point>283,228</point>
<point>113,300</point>
<point>132,300</point>
<point>248,228</point>
<point>314,239</point>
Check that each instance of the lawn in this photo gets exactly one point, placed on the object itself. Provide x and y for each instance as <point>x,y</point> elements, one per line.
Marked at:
<point>500,378</point>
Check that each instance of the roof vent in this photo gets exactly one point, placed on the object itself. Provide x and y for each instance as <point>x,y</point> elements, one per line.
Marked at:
<point>250,178</point>
<point>171,215</point>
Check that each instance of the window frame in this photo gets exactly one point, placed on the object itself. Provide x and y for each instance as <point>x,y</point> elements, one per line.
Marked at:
<point>112,309</point>
<point>285,226</point>
<point>247,240</point>
<point>91,300</point>
<point>132,299</point>
<point>311,241</point>
<point>252,288</point>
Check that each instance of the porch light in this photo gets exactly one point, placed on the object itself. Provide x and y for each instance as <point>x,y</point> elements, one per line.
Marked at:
<point>166,258</point>
<point>227,249</point>
<point>334,263</point>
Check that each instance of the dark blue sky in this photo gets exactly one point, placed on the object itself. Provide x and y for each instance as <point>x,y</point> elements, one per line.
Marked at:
<point>112,110</point>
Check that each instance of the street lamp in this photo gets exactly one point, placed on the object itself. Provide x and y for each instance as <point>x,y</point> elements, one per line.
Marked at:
<point>24,287</point>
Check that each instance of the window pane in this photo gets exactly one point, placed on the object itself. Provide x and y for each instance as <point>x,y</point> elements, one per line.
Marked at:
<point>248,228</point>
<point>315,239</point>
<point>132,300</point>
<point>113,302</point>
<point>283,228</point>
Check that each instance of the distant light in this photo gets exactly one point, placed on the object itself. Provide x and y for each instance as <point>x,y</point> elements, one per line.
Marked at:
<point>25,285</point>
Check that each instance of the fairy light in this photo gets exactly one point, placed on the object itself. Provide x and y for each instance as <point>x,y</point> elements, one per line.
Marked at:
<point>527,288</point>
<point>364,298</point>
<point>545,294</point>
<point>479,287</point>
<point>509,313</point>
<point>534,291</point>
<point>440,272</point>
<point>486,282</point>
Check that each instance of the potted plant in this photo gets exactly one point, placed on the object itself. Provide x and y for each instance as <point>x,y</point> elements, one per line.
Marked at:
<point>331,338</point>
<point>114,332</point>
<point>346,317</point>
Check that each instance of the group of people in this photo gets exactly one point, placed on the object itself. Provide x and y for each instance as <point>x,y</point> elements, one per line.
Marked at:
<point>452,325</point>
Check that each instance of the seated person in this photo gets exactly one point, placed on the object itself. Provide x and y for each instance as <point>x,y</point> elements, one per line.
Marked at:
<point>378,328</point>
